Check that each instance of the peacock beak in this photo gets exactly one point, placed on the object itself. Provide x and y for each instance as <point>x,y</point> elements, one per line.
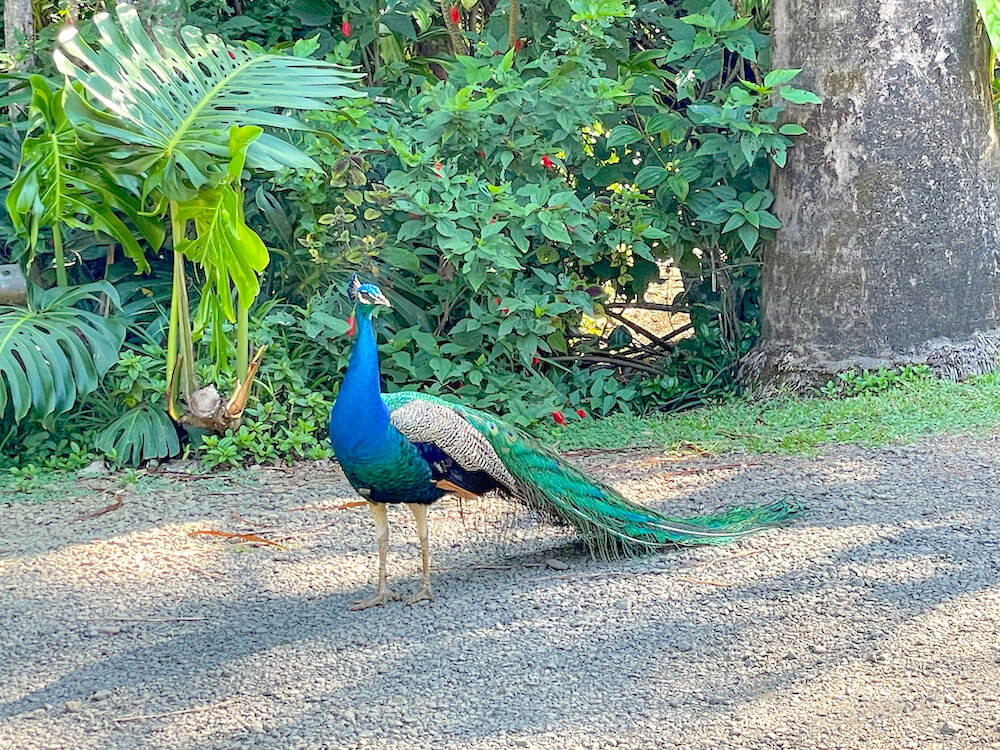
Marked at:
<point>381,299</point>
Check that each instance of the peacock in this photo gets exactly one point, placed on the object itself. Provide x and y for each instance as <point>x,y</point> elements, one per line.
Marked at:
<point>413,448</point>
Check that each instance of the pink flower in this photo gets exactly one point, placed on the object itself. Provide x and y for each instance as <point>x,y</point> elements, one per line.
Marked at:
<point>345,27</point>
<point>558,417</point>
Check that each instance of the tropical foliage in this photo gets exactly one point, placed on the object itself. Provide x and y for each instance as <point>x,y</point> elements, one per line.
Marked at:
<point>516,187</point>
<point>54,351</point>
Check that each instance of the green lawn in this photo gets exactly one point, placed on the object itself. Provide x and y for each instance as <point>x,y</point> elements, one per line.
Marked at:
<point>902,413</point>
<point>899,411</point>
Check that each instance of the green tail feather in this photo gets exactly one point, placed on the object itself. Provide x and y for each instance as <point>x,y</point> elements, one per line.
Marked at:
<point>609,524</point>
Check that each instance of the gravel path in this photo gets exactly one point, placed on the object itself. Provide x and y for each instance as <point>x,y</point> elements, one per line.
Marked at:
<point>871,622</point>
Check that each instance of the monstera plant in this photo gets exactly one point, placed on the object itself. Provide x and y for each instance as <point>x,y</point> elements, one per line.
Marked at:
<point>59,183</point>
<point>181,115</point>
<point>55,350</point>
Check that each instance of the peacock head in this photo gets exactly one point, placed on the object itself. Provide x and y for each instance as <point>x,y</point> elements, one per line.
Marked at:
<point>365,296</point>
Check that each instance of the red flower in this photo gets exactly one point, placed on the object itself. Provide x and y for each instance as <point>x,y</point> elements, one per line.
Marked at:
<point>496,300</point>
<point>547,161</point>
<point>345,27</point>
<point>558,417</point>
<point>352,326</point>
<point>413,215</point>
<point>455,18</point>
<point>482,154</point>
<point>535,361</point>
<point>437,168</point>
<point>518,46</point>
<point>581,413</point>
<point>231,55</point>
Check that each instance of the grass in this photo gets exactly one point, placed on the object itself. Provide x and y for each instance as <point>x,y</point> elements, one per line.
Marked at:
<point>890,412</point>
<point>879,409</point>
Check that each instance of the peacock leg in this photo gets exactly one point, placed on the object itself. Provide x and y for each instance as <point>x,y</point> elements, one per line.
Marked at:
<point>382,592</point>
<point>424,592</point>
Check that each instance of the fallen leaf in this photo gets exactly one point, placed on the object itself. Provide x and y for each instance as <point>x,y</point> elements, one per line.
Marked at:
<point>231,535</point>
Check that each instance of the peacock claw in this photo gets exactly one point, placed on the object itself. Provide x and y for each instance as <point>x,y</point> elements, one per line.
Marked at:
<point>424,594</point>
<point>380,599</point>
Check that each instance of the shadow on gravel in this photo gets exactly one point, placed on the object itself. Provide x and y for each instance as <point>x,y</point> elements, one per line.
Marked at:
<point>526,649</point>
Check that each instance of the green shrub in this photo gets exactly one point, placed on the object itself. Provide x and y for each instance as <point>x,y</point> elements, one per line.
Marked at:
<point>504,199</point>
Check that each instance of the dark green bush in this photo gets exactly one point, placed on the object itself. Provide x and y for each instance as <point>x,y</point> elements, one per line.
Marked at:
<point>503,199</point>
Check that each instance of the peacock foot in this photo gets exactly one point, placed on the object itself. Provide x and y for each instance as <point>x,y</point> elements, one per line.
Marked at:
<point>424,594</point>
<point>381,598</point>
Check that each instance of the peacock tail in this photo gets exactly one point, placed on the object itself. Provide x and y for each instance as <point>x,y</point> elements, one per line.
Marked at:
<point>608,523</point>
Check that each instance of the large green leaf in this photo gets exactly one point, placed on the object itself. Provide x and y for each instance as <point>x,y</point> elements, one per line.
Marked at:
<point>11,246</point>
<point>141,433</point>
<point>172,103</point>
<point>225,247</point>
<point>10,147</point>
<point>989,10</point>
<point>52,351</point>
<point>57,183</point>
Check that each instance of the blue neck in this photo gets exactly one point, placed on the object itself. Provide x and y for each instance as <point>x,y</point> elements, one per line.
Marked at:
<point>359,408</point>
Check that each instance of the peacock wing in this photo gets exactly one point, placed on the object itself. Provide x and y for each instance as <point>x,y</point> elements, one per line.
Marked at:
<point>608,523</point>
<point>457,452</point>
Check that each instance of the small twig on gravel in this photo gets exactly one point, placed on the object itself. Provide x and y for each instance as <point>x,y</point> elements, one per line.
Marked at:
<point>144,619</point>
<point>703,469</point>
<point>304,532</point>
<point>180,477</point>
<point>342,506</point>
<point>101,511</point>
<point>584,452</point>
<point>619,573</point>
<point>205,573</point>
<point>474,567</point>
<point>725,559</point>
<point>245,521</point>
<point>231,535</point>
<point>704,581</point>
<point>194,710</point>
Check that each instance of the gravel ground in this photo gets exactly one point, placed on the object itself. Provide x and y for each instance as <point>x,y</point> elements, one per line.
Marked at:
<point>873,621</point>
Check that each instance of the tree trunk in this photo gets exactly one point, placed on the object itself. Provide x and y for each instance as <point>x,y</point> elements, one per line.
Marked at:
<point>18,21</point>
<point>890,248</point>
